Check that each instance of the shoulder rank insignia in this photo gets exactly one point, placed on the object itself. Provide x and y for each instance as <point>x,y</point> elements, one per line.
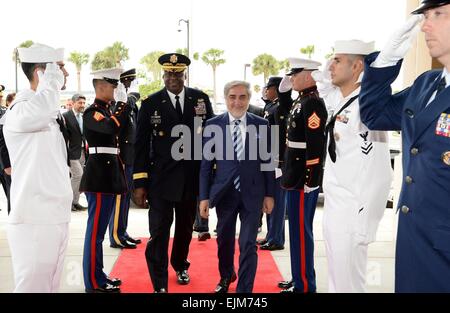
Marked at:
<point>98,116</point>
<point>314,121</point>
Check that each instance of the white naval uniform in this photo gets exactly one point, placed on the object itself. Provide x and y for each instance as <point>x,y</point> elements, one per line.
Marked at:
<point>356,190</point>
<point>41,193</point>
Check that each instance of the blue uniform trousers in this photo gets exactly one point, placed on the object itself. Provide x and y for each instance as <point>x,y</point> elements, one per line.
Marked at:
<point>275,221</point>
<point>301,208</point>
<point>119,218</point>
<point>100,206</point>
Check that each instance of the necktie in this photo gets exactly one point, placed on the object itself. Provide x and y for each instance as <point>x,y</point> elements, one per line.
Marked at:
<point>332,142</point>
<point>329,130</point>
<point>239,149</point>
<point>441,86</point>
<point>178,107</point>
<point>80,121</point>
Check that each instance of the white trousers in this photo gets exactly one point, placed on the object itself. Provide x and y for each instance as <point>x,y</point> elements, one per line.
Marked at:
<point>37,253</point>
<point>347,262</point>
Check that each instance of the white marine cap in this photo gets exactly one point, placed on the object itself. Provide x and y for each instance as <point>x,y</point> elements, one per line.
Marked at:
<point>111,75</point>
<point>39,53</point>
<point>298,65</point>
<point>354,47</point>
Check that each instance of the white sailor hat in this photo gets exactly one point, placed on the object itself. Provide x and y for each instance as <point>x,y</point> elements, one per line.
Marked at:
<point>111,75</point>
<point>39,53</point>
<point>354,47</point>
<point>298,65</point>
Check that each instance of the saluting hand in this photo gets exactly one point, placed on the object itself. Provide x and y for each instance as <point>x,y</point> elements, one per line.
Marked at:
<point>268,205</point>
<point>400,42</point>
<point>140,197</point>
<point>203,208</point>
<point>120,93</point>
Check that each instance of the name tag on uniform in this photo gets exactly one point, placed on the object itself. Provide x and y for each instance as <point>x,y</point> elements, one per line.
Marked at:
<point>443,125</point>
<point>200,109</point>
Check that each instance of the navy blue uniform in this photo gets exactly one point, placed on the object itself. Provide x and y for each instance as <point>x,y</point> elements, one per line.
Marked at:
<point>277,113</point>
<point>422,262</point>
<point>102,180</point>
<point>127,138</point>
<point>171,184</point>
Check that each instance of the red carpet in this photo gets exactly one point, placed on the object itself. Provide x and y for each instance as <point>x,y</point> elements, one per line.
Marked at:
<point>131,268</point>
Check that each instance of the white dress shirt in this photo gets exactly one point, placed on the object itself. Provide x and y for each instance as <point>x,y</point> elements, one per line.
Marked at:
<point>174,101</point>
<point>446,74</point>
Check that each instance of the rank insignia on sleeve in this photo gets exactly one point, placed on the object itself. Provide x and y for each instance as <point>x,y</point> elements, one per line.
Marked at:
<point>314,121</point>
<point>443,125</point>
<point>98,116</point>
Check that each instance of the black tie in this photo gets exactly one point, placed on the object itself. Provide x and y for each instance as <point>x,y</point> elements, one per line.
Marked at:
<point>441,86</point>
<point>178,107</point>
<point>332,145</point>
<point>329,130</point>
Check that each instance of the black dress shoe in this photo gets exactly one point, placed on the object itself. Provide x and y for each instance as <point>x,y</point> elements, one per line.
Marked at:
<point>271,247</point>
<point>116,282</point>
<point>160,290</point>
<point>204,236</point>
<point>79,207</point>
<point>224,284</point>
<point>105,289</point>
<point>135,241</point>
<point>124,245</point>
<point>261,242</point>
<point>183,277</point>
<point>115,245</point>
<point>286,284</point>
<point>129,245</point>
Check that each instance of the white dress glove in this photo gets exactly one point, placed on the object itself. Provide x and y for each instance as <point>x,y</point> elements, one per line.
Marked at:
<point>52,78</point>
<point>120,93</point>
<point>324,82</point>
<point>285,84</point>
<point>400,42</point>
<point>309,189</point>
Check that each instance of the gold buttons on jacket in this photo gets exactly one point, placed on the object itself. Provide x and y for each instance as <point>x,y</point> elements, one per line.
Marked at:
<point>408,180</point>
<point>405,209</point>
<point>414,151</point>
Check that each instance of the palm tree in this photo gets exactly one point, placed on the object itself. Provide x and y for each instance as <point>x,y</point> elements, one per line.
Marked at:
<point>330,55</point>
<point>184,51</point>
<point>118,53</point>
<point>79,59</point>
<point>110,57</point>
<point>265,64</point>
<point>101,61</point>
<point>308,50</point>
<point>150,61</point>
<point>213,57</point>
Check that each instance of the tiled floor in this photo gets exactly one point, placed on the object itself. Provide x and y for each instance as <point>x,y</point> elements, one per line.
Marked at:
<point>380,274</point>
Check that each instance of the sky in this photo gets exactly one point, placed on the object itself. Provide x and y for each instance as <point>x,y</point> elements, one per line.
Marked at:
<point>242,28</point>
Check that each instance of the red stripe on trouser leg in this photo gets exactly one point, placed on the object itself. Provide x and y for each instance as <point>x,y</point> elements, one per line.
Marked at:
<point>302,241</point>
<point>98,206</point>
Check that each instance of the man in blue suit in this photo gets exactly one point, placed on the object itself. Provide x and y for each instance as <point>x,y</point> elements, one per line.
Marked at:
<point>238,143</point>
<point>422,112</point>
